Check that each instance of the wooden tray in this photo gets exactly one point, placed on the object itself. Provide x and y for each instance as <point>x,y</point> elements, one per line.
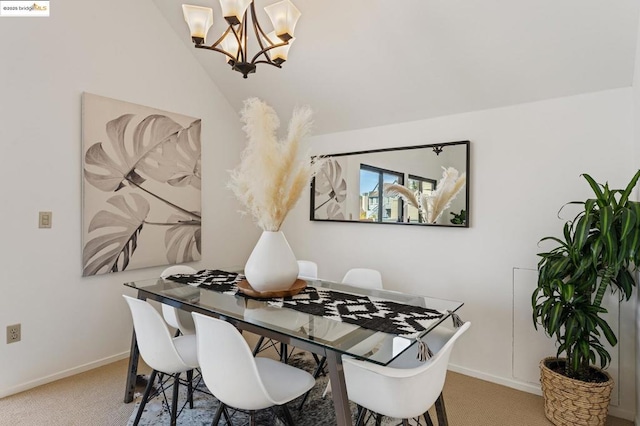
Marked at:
<point>245,288</point>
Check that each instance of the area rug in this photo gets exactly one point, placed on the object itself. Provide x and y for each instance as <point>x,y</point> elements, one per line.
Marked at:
<point>316,411</point>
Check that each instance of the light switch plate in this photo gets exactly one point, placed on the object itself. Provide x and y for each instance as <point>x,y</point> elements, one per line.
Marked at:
<point>44,220</point>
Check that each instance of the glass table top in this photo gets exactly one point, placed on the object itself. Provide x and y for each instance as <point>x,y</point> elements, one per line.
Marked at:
<point>349,339</point>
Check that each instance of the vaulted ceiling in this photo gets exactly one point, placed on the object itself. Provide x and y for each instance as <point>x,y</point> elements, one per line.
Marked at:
<point>364,63</point>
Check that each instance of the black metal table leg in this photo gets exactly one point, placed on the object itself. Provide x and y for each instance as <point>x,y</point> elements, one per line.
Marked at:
<point>441,411</point>
<point>132,370</point>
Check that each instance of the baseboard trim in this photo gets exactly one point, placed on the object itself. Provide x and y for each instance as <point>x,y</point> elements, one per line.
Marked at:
<point>529,387</point>
<point>62,374</point>
<point>623,414</point>
<point>510,383</point>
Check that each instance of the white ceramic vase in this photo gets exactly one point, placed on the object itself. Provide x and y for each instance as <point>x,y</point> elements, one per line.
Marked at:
<point>272,266</point>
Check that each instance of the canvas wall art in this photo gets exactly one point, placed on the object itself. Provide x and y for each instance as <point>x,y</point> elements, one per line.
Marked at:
<point>141,192</point>
<point>330,190</point>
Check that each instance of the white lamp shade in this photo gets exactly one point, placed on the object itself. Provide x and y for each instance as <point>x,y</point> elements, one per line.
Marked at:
<point>279,53</point>
<point>233,10</point>
<point>199,19</point>
<point>230,45</point>
<point>284,16</point>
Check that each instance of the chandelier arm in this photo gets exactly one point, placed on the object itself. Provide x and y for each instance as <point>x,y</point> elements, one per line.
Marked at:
<point>268,62</point>
<point>264,51</point>
<point>224,34</point>
<point>260,35</point>
<point>257,29</point>
<point>224,52</point>
<point>215,45</point>
<point>238,35</point>
<point>244,47</point>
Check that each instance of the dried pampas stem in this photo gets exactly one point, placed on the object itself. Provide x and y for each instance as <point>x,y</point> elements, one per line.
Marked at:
<point>394,189</point>
<point>448,188</point>
<point>270,178</point>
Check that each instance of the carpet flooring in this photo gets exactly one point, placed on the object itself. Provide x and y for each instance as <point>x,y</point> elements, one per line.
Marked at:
<point>95,398</point>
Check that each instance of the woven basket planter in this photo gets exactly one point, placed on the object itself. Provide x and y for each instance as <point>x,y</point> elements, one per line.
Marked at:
<point>570,402</point>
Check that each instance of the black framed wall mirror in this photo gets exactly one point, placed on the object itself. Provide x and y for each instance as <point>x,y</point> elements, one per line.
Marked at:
<point>412,185</point>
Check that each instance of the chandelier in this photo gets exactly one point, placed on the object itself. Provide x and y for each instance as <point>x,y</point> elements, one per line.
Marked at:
<point>273,48</point>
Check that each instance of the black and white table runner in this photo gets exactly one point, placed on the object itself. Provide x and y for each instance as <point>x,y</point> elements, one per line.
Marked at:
<point>364,311</point>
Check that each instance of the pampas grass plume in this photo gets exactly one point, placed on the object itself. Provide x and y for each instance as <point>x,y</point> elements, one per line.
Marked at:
<point>272,174</point>
<point>394,189</point>
<point>448,188</point>
<point>431,205</point>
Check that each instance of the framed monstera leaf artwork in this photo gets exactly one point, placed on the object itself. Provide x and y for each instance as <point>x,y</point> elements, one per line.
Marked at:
<point>141,194</point>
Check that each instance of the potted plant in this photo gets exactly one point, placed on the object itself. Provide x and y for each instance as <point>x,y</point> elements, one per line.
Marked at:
<point>598,251</point>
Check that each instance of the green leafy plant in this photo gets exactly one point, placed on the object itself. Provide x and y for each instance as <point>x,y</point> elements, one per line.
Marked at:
<point>599,249</point>
<point>459,218</point>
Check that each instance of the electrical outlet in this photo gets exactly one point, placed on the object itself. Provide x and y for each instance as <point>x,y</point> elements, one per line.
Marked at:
<point>14,333</point>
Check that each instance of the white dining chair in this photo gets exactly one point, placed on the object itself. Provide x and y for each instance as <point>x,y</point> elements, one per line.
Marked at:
<point>404,389</point>
<point>238,379</point>
<point>308,270</point>
<point>167,355</point>
<point>364,278</point>
<point>177,318</point>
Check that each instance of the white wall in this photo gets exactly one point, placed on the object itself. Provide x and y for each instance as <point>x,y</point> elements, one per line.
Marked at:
<point>120,49</point>
<point>636,158</point>
<point>526,162</point>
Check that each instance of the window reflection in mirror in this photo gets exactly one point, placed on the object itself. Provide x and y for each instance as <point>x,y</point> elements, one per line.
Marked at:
<point>375,205</point>
<point>396,185</point>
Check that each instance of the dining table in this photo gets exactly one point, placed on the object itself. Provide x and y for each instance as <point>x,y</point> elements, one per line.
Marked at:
<point>326,318</point>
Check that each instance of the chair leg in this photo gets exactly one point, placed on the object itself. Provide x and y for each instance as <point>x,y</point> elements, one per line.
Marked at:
<point>283,353</point>
<point>287,415</point>
<point>160,378</point>
<point>216,417</point>
<point>145,397</point>
<point>378,419</point>
<point>226,415</point>
<point>441,411</point>
<point>316,373</point>
<point>361,413</point>
<point>304,399</point>
<point>427,418</point>
<point>326,390</point>
<point>174,400</point>
<point>256,348</point>
<point>190,387</point>
<point>320,367</point>
<point>252,418</point>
